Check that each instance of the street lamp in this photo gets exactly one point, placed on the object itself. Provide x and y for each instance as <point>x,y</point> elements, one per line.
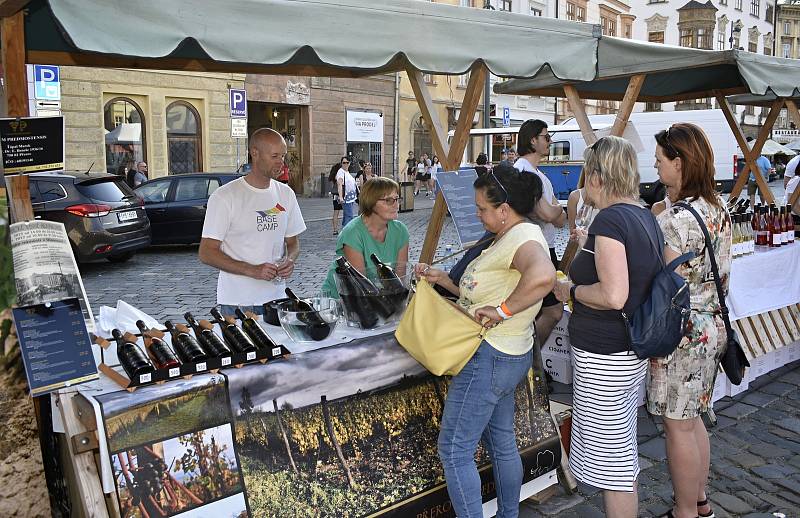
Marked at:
<point>736,28</point>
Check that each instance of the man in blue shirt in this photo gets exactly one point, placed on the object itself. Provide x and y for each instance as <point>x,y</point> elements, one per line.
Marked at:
<point>764,167</point>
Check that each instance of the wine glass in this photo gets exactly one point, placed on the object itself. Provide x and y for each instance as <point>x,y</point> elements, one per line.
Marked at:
<point>581,218</point>
<point>280,254</point>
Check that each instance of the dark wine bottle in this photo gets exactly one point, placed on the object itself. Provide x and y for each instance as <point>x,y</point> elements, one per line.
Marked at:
<point>392,284</point>
<point>209,341</point>
<point>235,338</point>
<point>354,301</point>
<point>163,355</point>
<point>255,332</point>
<point>316,327</point>
<point>131,357</point>
<point>189,351</point>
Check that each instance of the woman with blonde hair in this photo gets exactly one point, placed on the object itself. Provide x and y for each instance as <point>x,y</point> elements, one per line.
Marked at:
<point>679,386</point>
<point>376,231</point>
<point>610,276</point>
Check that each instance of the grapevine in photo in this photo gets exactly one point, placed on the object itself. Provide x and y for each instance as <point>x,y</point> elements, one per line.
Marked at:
<point>152,413</point>
<point>348,431</point>
<point>173,476</point>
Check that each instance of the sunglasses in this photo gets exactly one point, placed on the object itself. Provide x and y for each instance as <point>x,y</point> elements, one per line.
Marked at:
<point>668,142</point>
<point>499,184</point>
<point>345,162</point>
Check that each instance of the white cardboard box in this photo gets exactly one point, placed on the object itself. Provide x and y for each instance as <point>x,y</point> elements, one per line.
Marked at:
<point>558,366</point>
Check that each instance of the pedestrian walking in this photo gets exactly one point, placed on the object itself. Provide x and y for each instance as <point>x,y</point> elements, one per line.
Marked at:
<point>679,386</point>
<point>611,273</point>
<point>436,167</point>
<point>347,190</point>
<point>337,202</point>
<point>503,289</point>
<point>411,167</point>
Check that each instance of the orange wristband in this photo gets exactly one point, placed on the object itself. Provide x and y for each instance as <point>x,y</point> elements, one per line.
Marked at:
<point>506,310</point>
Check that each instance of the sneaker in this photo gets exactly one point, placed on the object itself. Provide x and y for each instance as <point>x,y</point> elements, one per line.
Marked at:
<point>416,193</point>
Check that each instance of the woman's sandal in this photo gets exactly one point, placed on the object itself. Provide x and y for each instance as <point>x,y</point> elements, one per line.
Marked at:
<point>704,503</point>
<point>669,514</point>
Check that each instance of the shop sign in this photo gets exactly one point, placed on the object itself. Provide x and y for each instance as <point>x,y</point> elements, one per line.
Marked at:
<point>32,144</point>
<point>364,126</point>
<point>238,128</point>
<point>238,103</point>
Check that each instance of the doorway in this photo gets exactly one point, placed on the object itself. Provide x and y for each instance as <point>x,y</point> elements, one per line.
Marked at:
<point>286,120</point>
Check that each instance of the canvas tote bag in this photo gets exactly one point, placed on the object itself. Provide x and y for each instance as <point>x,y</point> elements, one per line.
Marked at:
<point>437,333</point>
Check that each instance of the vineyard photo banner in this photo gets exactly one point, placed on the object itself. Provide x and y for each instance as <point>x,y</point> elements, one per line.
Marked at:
<point>351,430</point>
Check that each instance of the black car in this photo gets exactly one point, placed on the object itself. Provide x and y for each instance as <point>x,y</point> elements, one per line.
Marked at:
<point>102,216</point>
<point>176,204</point>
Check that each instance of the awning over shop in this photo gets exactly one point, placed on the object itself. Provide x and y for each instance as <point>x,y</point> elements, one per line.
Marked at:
<point>307,37</point>
<point>672,74</point>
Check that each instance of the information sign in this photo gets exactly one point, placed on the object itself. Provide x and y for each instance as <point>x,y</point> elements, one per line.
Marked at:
<point>55,345</point>
<point>32,144</point>
<point>459,194</point>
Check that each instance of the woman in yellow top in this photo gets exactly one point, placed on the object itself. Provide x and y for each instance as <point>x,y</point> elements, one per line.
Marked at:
<point>503,289</point>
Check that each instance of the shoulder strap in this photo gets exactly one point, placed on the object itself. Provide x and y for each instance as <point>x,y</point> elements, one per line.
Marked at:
<point>714,269</point>
<point>658,249</point>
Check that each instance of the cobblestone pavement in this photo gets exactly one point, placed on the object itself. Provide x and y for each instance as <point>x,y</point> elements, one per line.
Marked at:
<point>755,468</point>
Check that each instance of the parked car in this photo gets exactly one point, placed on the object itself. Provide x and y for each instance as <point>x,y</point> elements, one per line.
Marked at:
<point>102,216</point>
<point>176,204</point>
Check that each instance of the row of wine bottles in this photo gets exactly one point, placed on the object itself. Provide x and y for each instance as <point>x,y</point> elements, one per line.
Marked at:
<point>766,226</point>
<point>185,348</point>
<point>363,301</point>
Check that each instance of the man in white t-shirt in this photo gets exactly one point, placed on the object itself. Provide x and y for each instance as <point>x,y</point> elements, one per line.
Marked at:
<point>533,144</point>
<point>791,170</point>
<point>251,228</point>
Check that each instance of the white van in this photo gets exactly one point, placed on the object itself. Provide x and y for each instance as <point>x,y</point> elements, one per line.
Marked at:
<point>568,145</point>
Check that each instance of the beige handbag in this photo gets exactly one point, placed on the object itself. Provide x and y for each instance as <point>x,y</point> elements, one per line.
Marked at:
<point>437,333</point>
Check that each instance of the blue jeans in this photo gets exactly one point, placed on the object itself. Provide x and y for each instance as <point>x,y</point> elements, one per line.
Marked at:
<point>480,404</point>
<point>348,213</point>
<point>227,310</point>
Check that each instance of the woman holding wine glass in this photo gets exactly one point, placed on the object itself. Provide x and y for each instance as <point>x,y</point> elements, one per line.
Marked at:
<point>376,231</point>
<point>580,214</point>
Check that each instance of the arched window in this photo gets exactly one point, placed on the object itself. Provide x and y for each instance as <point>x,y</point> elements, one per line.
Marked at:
<point>125,137</point>
<point>420,137</point>
<point>184,144</point>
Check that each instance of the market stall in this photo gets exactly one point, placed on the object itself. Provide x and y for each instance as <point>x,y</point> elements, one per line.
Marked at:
<point>764,306</point>
<point>251,37</point>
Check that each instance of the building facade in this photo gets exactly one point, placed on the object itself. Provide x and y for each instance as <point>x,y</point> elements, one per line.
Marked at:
<point>324,119</point>
<point>174,121</point>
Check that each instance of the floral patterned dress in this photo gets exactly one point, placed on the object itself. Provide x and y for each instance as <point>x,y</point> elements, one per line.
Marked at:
<point>680,385</point>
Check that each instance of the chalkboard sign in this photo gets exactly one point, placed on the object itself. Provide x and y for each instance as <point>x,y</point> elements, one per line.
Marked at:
<point>55,345</point>
<point>459,194</point>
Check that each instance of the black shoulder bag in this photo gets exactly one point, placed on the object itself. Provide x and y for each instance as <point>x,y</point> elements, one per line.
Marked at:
<point>657,326</point>
<point>734,360</point>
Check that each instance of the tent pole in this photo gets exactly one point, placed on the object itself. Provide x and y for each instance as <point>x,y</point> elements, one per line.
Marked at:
<point>12,32</point>
<point>450,153</point>
<point>750,155</point>
<point>577,107</point>
<point>794,114</point>
<point>628,102</point>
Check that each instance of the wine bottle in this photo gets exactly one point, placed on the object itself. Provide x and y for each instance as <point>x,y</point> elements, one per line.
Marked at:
<point>315,327</point>
<point>762,229</point>
<point>209,341</point>
<point>391,283</point>
<point>255,332</point>
<point>131,357</point>
<point>736,236</point>
<point>354,296</point>
<point>233,335</point>
<point>189,351</point>
<point>775,228</point>
<point>163,355</point>
<point>374,298</point>
<point>789,224</point>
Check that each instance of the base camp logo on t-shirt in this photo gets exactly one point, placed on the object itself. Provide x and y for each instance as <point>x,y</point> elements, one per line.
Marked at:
<point>268,219</point>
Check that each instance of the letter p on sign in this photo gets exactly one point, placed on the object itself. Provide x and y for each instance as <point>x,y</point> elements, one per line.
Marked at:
<point>238,102</point>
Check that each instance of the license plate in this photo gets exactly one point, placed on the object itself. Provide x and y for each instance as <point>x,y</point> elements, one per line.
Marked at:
<point>127,215</point>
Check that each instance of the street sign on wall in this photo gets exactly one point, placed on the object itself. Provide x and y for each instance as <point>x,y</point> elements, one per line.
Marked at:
<point>46,82</point>
<point>238,103</point>
<point>506,117</point>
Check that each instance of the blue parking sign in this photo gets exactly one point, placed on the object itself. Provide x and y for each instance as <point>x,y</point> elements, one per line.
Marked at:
<point>238,102</point>
<point>46,85</point>
<point>506,117</point>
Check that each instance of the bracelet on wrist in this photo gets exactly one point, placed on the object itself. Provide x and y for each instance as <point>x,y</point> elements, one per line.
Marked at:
<point>502,313</point>
<point>505,309</point>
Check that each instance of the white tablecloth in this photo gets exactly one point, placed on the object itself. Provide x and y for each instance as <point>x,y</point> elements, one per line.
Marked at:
<point>764,281</point>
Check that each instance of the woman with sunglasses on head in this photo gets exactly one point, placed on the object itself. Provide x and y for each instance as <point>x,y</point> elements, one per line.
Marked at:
<point>376,231</point>
<point>347,190</point>
<point>679,386</point>
<point>611,273</point>
<point>503,289</point>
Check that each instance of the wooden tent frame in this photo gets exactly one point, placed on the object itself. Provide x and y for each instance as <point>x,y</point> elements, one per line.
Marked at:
<point>82,440</point>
